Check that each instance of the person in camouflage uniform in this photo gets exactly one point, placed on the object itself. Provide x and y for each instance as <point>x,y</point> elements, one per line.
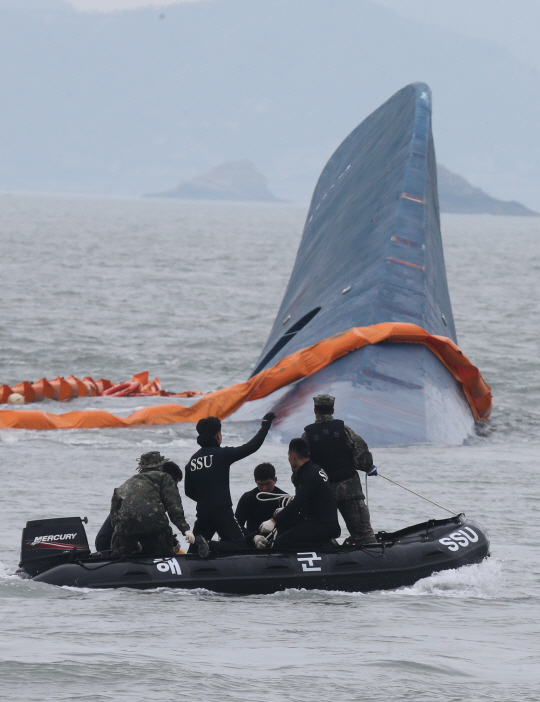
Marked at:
<point>341,452</point>
<point>140,506</point>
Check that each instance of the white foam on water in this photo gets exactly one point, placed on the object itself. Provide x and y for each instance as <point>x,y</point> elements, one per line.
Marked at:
<point>9,436</point>
<point>482,580</point>
<point>183,443</point>
<point>301,594</point>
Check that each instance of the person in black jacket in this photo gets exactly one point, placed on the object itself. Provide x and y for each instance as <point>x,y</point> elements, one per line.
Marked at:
<point>342,453</point>
<point>314,497</point>
<point>207,479</point>
<point>250,511</point>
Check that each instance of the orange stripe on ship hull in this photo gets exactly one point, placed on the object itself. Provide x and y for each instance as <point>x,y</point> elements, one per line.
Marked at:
<point>406,196</point>
<point>405,263</point>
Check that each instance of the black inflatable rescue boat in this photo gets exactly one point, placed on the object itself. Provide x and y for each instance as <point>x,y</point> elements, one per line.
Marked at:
<point>55,551</point>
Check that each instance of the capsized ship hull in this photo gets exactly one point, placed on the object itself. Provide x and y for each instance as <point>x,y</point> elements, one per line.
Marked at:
<point>371,252</point>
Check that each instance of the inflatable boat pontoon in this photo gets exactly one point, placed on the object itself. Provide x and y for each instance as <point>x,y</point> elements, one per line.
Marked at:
<point>55,551</point>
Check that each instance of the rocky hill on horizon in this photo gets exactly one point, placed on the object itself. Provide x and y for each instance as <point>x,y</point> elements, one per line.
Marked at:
<point>457,195</point>
<point>236,181</point>
<point>240,181</point>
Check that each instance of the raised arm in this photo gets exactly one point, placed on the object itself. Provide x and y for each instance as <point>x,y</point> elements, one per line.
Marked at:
<point>236,453</point>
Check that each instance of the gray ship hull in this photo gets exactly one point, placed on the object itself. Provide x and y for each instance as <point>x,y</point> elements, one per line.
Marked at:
<point>371,252</point>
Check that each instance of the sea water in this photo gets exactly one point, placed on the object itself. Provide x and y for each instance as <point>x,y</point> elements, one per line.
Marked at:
<point>188,291</point>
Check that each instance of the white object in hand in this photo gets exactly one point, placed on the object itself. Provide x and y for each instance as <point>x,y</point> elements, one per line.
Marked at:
<point>260,541</point>
<point>267,526</point>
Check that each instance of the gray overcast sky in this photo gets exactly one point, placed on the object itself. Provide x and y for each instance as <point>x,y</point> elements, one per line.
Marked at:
<point>112,5</point>
<point>512,23</point>
<point>127,103</point>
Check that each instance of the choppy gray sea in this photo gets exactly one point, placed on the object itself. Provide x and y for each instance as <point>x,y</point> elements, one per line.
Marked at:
<point>108,287</point>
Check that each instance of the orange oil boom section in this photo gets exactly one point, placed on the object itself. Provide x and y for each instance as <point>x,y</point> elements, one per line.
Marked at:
<point>222,403</point>
<point>63,389</point>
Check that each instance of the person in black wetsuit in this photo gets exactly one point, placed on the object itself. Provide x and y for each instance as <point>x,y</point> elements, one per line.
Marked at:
<point>207,480</point>
<point>250,511</point>
<point>314,497</point>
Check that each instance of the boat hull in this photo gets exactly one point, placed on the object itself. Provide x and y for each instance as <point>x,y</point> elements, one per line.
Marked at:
<point>400,559</point>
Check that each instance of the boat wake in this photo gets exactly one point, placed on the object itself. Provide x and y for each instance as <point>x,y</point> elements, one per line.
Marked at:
<point>480,580</point>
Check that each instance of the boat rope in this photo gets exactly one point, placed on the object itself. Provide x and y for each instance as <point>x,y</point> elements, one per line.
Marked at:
<point>414,493</point>
<point>267,496</point>
<point>367,500</point>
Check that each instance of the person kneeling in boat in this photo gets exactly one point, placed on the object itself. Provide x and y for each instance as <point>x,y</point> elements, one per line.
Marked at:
<point>342,453</point>
<point>140,506</point>
<point>207,480</point>
<point>314,498</point>
<point>251,511</point>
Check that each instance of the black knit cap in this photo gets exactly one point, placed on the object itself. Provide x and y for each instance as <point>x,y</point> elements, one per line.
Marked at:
<point>208,425</point>
<point>173,469</point>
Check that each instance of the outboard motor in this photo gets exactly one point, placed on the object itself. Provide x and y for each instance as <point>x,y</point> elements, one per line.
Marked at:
<point>50,542</point>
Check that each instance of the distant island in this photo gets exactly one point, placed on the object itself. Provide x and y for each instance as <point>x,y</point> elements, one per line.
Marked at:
<point>240,181</point>
<point>457,195</point>
<point>236,181</point>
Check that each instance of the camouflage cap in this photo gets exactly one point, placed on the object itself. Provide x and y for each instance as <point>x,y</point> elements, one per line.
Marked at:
<point>324,400</point>
<point>152,460</point>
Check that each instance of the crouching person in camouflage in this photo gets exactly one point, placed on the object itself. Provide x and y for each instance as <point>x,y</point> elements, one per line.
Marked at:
<point>341,452</point>
<point>140,506</point>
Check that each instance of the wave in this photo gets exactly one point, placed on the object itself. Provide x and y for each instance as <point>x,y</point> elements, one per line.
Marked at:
<point>483,580</point>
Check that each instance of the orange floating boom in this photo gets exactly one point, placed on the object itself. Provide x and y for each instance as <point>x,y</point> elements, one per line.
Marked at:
<point>222,403</point>
<point>63,390</point>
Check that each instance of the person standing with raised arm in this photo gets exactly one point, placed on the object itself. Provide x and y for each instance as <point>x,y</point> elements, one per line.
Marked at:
<point>207,479</point>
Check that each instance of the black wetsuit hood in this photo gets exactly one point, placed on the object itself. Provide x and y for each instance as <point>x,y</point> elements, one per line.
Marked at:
<point>207,440</point>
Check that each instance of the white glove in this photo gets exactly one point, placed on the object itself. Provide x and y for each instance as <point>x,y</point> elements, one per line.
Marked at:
<point>267,526</point>
<point>260,541</point>
<point>190,537</point>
